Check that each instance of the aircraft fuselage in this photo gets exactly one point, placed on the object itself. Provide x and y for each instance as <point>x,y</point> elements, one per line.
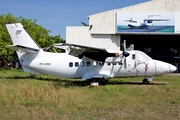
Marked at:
<point>64,65</point>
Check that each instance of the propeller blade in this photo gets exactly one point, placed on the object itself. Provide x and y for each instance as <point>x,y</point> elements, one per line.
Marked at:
<point>123,50</point>
<point>124,45</point>
<point>124,54</point>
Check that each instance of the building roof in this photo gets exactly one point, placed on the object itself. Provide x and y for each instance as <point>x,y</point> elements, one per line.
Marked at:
<point>157,5</point>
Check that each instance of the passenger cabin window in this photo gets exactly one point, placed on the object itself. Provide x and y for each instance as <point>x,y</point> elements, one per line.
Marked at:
<point>82,64</point>
<point>70,64</point>
<point>88,64</point>
<point>101,63</point>
<point>76,64</point>
<point>114,63</point>
<point>120,63</point>
<point>95,63</point>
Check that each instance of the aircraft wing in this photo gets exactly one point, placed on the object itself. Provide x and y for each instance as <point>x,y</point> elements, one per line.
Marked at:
<point>157,20</point>
<point>130,20</point>
<point>127,20</point>
<point>97,54</point>
<point>21,48</point>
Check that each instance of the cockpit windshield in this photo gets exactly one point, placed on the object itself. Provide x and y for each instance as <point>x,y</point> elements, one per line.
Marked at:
<point>141,57</point>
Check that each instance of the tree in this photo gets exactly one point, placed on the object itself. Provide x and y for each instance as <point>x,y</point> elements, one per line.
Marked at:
<point>37,32</point>
<point>84,24</point>
<point>5,54</point>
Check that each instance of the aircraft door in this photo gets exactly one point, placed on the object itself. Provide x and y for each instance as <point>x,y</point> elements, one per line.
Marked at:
<point>145,66</point>
<point>140,64</point>
<point>131,71</point>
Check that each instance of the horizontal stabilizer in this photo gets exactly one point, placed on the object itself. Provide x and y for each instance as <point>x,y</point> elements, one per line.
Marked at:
<point>22,49</point>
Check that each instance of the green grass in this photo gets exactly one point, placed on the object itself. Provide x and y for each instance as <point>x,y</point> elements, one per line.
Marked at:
<point>23,95</point>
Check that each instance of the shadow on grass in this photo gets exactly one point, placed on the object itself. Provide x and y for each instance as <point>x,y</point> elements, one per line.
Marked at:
<point>59,82</point>
<point>135,83</point>
<point>68,83</point>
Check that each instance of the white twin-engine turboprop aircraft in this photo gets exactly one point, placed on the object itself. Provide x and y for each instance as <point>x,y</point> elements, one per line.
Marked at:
<point>82,61</point>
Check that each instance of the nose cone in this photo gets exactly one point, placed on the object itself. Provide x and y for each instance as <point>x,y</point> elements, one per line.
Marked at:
<point>172,68</point>
<point>163,67</point>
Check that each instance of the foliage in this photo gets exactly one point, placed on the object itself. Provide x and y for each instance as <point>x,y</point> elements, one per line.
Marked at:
<point>37,32</point>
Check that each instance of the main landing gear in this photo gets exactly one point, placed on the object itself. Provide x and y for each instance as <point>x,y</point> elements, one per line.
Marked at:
<point>95,82</point>
<point>146,81</point>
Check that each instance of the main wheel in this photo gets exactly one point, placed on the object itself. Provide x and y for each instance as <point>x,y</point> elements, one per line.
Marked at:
<point>145,81</point>
<point>101,81</point>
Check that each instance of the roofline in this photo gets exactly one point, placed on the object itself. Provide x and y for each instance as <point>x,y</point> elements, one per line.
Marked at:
<point>115,10</point>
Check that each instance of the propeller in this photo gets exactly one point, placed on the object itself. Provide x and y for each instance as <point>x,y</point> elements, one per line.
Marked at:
<point>124,54</point>
<point>130,20</point>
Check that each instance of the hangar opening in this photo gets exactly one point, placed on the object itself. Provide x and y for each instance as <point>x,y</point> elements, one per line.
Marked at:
<point>161,47</point>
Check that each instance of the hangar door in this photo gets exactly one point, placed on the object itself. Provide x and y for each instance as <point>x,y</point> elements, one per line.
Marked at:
<point>161,47</point>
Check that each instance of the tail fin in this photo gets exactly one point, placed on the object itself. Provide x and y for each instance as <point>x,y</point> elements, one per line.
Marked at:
<point>26,48</point>
<point>20,37</point>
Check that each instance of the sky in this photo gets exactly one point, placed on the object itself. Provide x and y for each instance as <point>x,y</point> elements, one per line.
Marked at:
<point>55,15</point>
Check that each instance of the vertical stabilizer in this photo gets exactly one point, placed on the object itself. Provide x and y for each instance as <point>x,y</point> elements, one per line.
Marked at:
<point>26,47</point>
<point>19,36</point>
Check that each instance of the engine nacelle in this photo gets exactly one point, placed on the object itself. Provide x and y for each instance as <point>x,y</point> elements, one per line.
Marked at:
<point>113,60</point>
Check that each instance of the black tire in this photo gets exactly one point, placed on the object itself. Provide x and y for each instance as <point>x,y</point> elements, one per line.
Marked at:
<point>145,81</point>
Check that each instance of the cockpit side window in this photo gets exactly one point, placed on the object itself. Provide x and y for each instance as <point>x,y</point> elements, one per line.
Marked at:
<point>133,56</point>
<point>82,64</point>
<point>141,57</point>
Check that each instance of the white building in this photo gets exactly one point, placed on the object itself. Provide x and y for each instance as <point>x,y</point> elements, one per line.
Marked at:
<point>102,29</point>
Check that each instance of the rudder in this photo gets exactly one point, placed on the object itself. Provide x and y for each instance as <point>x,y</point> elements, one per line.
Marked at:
<point>19,36</point>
